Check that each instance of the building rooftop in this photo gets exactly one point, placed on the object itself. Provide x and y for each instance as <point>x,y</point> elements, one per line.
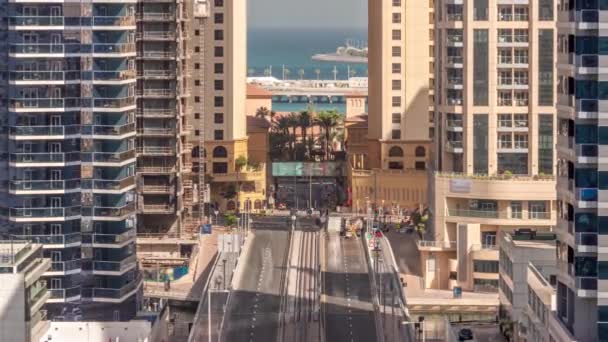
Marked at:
<point>12,251</point>
<point>256,122</point>
<point>256,91</point>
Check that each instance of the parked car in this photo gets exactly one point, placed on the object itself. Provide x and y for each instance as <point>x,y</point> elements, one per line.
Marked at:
<point>465,334</point>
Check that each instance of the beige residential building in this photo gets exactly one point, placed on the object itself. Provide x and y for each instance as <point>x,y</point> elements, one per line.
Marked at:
<point>391,169</point>
<point>495,124</point>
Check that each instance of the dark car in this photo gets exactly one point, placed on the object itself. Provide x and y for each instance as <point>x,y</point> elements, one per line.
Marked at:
<point>465,334</point>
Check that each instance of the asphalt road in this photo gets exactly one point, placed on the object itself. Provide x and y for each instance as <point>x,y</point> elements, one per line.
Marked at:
<point>252,313</point>
<point>347,300</point>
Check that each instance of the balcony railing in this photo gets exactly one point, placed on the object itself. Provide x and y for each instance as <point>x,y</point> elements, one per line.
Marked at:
<point>168,131</point>
<point>437,244</point>
<point>42,185</point>
<point>41,103</point>
<point>156,112</point>
<point>156,169</point>
<point>162,150</point>
<point>110,211</point>
<point>108,157</point>
<point>113,21</point>
<point>114,48</point>
<point>156,92</point>
<point>492,214</point>
<point>156,35</point>
<point>158,208</point>
<point>44,130</point>
<point>113,130</point>
<point>109,184</point>
<point>156,73</point>
<point>35,21</point>
<point>115,266</point>
<point>157,188</point>
<point>455,59</point>
<point>114,102</point>
<point>158,54</point>
<point>45,157</point>
<point>120,75</point>
<point>58,239</point>
<point>66,266</point>
<point>109,239</point>
<point>44,212</point>
<point>65,293</point>
<point>44,75</point>
<point>98,292</point>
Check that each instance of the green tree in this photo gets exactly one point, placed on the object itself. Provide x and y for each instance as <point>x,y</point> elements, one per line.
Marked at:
<point>328,120</point>
<point>240,162</point>
<point>230,220</point>
<point>305,121</point>
<point>262,112</point>
<point>294,123</point>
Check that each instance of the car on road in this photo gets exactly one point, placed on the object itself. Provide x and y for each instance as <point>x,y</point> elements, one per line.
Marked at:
<point>465,334</point>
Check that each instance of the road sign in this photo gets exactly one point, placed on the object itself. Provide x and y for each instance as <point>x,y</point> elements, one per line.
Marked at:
<point>206,229</point>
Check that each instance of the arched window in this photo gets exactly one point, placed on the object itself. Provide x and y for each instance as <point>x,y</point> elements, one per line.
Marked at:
<point>195,152</point>
<point>220,152</point>
<point>420,151</point>
<point>395,151</point>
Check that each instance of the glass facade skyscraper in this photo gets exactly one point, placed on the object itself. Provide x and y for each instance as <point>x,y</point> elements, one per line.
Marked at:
<point>68,166</point>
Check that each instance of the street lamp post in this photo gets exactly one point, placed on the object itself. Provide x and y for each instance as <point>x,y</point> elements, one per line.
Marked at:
<point>224,264</point>
<point>216,212</point>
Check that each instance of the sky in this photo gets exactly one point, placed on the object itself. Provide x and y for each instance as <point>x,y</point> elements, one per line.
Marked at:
<point>307,13</point>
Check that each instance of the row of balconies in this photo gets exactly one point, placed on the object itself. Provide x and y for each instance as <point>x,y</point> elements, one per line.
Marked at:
<point>66,213</point>
<point>157,35</point>
<point>60,103</point>
<point>104,22</point>
<point>156,16</point>
<point>47,48</point>
<point>156,112</point>
<point>70,157</point>
<point>494,214</point>
<point>58,132</point>
<point>156,92</point>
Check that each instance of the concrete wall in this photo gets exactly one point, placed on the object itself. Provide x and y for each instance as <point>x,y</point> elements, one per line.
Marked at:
<point>12,308</point>
<point>133,331</point>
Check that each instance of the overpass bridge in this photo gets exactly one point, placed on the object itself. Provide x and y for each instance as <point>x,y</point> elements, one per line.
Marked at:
<point>315,91</point>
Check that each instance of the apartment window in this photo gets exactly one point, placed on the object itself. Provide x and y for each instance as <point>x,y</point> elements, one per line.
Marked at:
<point>396,34</point>
<point>219,3</point>
<point>505,56</point>
<point>504,121</point>
<point>505,98</point>
<point>545,72</point>
<point>197,32</point>
<point>396,118</point>
<point>480,10</point>
<point>480,143</point>
<point>521,56</point>
<point>545,144</point>
<point>396,2</point>
<point>396,18</point>
<point>396,101</point>
<point>197,116</point>
<point>396,84</point>
<point>218,51</point>
<point>420,165</point>
<point>520,120</point>
<point>505,140</point>
<point>197,132</point>
<point>516,163</point>
<point>396,68</point>
<point>545,10</point>
<point>396,134</point>
<point>396,51</point>
<point>520,77</point>
<point>197,83</point>
<point>520,35</point>
<point>218,118</point>
<point>218,34</point>
<point>220,167</point>
<point>485,266</point>
<point>197,49</point>
<point>520,141</point>
<point>504,77</point>
<point>197,66</point>
<point>537,209</point>
<point>521,98</point>
<point>505,35</point>
<point>516,209</point>
<point>480,68</point>
<point>520,13</point>
<point>218,101</point>
<point>218,84</point>
<point>197,99</point>
<point>218,68</point>
<point>218,18</point>
<point>218,134</point>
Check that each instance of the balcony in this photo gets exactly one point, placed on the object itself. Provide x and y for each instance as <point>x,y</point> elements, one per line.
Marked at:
<point>114,267</point>
<point>109,240</point>
<point>42,49</point>
<point>453,147</point>
<point>156,112</point>
<point>108,22</point>
<point>430,245</point>
<point>109,157</point>
<point>454,125</point>
<point>54,241</point>
<point>44,214</point>
<point>110,186</point>
<point>22,187</point>
<point>113,103</point>
<point>492,214</point>
<point>64,295</point>
<point>43,132</point>
<point>455,61</point>
<point>109,130</point>
<point>156,131</point>
<point>65,267</point>
<point>157,35</point>
<point>39,77</point>
<point>160,92</point>
<point>110,213</point>
<point>35,21</point>
<point>586,242</point>
<point>156,150</point>
<point>243,176</point>
<point>118,48</point>
<point>113,76</point>
<point>157,55</point>
<point>156,169</point>
<point>149,16</point>
<point>157,188</point>
<point>158,208</point>
<point>156,73</point>
<point>113,295</point>
<point>50,104</point>
<point>44,159</point>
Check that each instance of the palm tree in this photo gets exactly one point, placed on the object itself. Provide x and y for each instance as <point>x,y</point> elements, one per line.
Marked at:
<point>328,120</point>
<point>267,72</point>
<point>286,73</point>
<point>318,72</point>
<point>262,112</point>
<point>301,73</point>
<point>272,115</point>
<point>304,120</point>
<point>294,123</point>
